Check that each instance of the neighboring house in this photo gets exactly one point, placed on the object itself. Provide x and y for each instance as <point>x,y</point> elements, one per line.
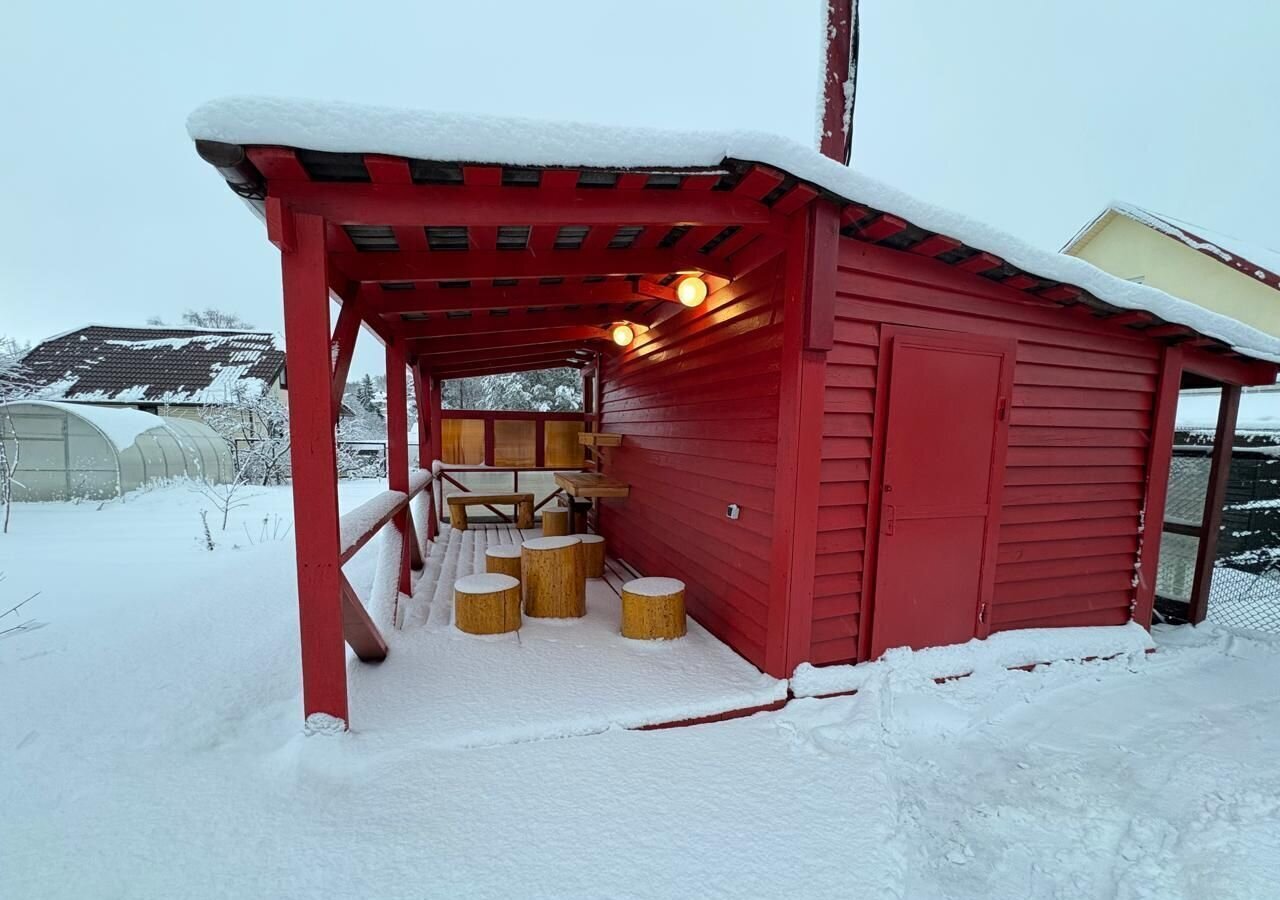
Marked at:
<point>1221,273</point>
<point>161,370</point>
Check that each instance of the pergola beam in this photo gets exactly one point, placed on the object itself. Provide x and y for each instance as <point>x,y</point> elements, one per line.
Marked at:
<point>498,368</point>
<point>477,265</point>
<point>447,358</point>
<point>429,299</point>
<point>424,204</point>
<point>578,334</point>
<point>517,322</point>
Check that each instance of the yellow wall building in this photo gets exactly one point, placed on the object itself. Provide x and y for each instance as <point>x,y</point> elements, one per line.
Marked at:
<point>1218,272</point>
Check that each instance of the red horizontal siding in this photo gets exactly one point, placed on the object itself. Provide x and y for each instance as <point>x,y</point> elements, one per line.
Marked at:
<point>696,400</point>
<point>1079,428</point>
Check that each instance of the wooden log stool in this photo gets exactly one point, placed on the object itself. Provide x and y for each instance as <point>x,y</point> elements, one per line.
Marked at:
<point>486,604</point>
<point>592,554</point>
<point>653,609</point>
<point>578,509</point>
<point>553,577</point>
<point>503,559</point>
<point>555,522</point>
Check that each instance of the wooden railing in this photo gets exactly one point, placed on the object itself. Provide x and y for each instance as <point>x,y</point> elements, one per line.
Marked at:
<point>445,478</point>
<point>356,528</point>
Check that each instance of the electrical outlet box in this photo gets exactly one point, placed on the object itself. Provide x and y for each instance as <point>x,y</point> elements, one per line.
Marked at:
<point>733,511</point>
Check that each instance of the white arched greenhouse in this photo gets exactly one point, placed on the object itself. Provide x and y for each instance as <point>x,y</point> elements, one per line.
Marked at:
<point>68,451</point>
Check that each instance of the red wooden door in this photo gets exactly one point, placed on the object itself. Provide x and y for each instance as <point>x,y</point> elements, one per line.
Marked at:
<point>942,452</point>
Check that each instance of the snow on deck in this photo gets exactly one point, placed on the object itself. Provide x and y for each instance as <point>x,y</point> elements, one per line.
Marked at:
<point>554,678</point>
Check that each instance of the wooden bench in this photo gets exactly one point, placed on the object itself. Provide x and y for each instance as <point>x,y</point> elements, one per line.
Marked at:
<point>458,504</point>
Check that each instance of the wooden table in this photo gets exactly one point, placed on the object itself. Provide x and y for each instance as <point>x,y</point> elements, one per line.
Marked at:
<point>591,486</point>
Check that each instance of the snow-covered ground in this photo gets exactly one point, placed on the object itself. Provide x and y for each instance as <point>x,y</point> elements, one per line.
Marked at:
<point>150,746</point>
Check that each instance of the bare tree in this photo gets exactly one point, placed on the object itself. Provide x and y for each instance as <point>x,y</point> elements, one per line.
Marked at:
<point>14,383</point>
<point>255,425</point>
<point>209,317</point>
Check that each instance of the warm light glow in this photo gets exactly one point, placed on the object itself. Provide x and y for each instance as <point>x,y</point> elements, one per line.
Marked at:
<point>691,290</point>
<point>623,334</point>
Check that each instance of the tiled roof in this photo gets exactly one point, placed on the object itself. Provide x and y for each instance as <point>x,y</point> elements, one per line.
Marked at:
<point>102,363</point>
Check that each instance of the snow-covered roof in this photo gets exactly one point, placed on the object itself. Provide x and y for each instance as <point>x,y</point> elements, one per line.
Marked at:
<point>352,128</point>
<point>1259,410</point>
<point>1255,261</point>
<point>112,364</point>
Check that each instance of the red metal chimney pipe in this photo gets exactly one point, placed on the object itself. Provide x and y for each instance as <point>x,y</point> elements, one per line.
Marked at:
<point>840,80</point>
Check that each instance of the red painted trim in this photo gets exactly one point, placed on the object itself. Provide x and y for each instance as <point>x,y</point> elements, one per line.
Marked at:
<point>314,464</point>
<point>823,252</point>
<point>488,264</point>
<point>1159,458</point>
<point>715,717</point>
<point>520,321</point>
<point>809,265</point>
<point>423,204</point>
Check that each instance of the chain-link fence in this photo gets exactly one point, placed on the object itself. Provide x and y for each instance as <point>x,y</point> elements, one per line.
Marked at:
<point>1245,591</point>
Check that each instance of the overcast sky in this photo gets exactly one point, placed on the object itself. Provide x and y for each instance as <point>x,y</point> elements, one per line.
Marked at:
<point>1027,115</point>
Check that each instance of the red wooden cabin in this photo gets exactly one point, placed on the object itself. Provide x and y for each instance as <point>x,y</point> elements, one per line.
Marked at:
<point>931,435</point>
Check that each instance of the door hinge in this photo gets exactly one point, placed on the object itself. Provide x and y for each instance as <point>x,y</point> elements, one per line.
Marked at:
<point>1002,409</point>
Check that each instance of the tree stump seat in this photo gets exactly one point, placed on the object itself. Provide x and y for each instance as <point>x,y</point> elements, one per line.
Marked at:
<point>503,559</point>
<point>653,609</point>
<point>553,577</point>
<point>556,522</point>
<point>458,503</point>
<point>592,554</point>
<point>486,603</point>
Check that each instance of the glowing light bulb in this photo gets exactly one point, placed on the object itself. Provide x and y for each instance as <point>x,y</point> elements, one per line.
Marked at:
<point>691,290</point>
<point>623,334</point>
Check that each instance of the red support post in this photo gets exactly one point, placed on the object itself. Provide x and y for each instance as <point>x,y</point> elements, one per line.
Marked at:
<point>398,450</point>
<point>314,461</point>
<point>810,262</point>
<point>424,433</point>
<point>1215,495</point>
<point>436,445</point>
<point>1159,458</point>
<point>343,346</point>
<point>490,440</point>
<point>840,79</point>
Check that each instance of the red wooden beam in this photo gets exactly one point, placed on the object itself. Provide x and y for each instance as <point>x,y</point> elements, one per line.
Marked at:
<point>518,322</point>
<point>652,289</point>
<point>429,298</point>
<point>504,359</point>
<point>398,450</point>
<point>344,345</point>
<point>504,369</point>
<point>935,245</point>
<point>424,204</point>
<point>484,265</point>
<point>504,352</point>
<point>980,262</point>
<point>1020,282</point>
<point>313,457</point>
<point>756,184</point>
<point>581,334</point>
<point>882,227</point>
<point>395,170</point>
<point>1159,458</point>
<point>1166,331</point>
<point>358,629</point>
<point>794,534</point>
<point>1131,317</point>
<point>1214,497</point>
<point>1229,368</point>
<point>1061,293</point>
<point>800,195</point>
